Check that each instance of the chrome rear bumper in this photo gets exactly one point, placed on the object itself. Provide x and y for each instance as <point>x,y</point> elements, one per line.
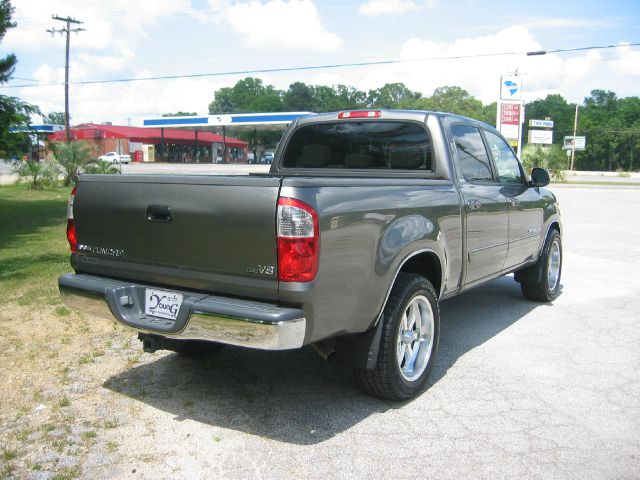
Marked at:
<point>202,317</point>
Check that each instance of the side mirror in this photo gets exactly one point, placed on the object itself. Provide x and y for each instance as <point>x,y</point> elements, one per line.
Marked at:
<point>539,177</point>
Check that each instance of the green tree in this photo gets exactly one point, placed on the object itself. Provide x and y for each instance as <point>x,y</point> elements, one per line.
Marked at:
<point>8,63</point>
<point>452,99</point>
<point>608,124</point>
<point>13,111</point>
<point>324,99</point>
<point>350,98</point>
<point>54,118</point>
<point>556,108</point>
<point>298,98</point>
<point>73,157</point>
<point>247,95</point>
<point>180,114</point>
<point>392,95</point>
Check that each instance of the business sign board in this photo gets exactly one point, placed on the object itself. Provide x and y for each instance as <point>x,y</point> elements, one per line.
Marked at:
<point>509,119</point>
<point>544,137</point>
<point>575,143</point>
<point>510,87</point>
<point>541,123</point>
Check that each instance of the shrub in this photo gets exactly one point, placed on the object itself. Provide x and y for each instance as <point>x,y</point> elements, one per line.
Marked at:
<point>553,158</point>
<point>103,167</point>
<point>38,174</point>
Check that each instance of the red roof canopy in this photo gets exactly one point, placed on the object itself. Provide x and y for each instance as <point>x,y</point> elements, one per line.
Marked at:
<point>87,131</point>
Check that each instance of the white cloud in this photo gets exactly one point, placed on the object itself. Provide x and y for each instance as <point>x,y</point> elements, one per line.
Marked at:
<point>573,75</point>
<point>626,62</point>
<point>389,7</point>
<point>118,25</point>
<point>277,24</point>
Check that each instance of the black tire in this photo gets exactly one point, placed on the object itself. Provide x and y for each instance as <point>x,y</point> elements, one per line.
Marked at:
<point>550,266</point>
<point>194,348</point>
<point>392,379</point>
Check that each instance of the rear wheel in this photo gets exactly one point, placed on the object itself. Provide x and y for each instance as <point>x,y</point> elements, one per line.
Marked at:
<point>548,288</point>
<point>409,341</point>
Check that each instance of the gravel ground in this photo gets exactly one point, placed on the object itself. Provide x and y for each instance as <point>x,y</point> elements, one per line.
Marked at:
<point>519,390</point>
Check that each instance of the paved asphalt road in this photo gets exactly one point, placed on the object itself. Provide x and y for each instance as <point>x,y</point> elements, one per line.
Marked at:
<point>520,390</point>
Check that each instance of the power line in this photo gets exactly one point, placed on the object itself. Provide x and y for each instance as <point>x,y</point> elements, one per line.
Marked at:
<point>68,31</point>
<point>324,67</point>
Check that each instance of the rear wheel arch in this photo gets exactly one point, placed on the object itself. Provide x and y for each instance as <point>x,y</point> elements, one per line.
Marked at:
<point>425,263</point>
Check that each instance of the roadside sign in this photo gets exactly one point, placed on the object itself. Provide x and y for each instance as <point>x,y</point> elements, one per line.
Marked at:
<point>541,123</point>
<point>575,143</point>
<point>510,87</point>
<point>509,115</point>
<point>544,137</point>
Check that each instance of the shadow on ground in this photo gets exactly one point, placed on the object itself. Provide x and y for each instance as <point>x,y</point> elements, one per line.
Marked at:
<point>20,219</point>
<point>294,396</point>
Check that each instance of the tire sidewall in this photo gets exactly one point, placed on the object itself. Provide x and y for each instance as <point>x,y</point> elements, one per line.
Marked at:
<point>553,237</point>
<point>418,287</point>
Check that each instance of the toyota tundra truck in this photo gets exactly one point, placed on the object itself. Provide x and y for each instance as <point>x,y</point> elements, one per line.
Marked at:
<point>365,221</point>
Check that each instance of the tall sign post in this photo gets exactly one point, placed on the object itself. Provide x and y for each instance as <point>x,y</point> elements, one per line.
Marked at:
<point>511,111</point>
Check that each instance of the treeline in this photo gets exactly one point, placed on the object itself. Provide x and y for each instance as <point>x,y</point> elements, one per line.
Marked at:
<point>611,124</point>
<point>251,95</point>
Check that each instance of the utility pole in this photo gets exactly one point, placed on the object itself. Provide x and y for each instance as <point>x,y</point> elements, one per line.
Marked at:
<point>68,31</point>
<point>575,130</point>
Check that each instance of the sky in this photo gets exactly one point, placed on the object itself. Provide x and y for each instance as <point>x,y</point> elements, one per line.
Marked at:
<point>425,40</point>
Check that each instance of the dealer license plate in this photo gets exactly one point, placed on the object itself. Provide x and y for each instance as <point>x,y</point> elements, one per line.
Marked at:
<point>160,303</point>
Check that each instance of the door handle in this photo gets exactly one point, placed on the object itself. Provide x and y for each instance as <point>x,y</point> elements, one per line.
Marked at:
<point>159,213</point>
<point>473,204</point>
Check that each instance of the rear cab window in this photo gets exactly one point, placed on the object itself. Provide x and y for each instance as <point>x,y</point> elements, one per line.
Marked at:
<point>361,145</point>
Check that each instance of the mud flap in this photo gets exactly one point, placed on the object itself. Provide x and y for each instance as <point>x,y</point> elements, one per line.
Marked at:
<point>360,350</point>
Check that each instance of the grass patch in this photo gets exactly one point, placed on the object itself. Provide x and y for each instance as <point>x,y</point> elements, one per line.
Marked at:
<point>33,246</point>
<point>64,402</point>
<point>85,359</point>
<point>67,473</point>
<point>62,311</point>
<point>8,455</point>
<point>111,424</point>
<point>6,472</point>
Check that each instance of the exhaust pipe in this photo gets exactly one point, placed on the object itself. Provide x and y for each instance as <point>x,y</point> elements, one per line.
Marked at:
<point>325,350</point>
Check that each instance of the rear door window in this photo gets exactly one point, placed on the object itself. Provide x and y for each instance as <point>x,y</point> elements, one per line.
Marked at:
<point>472,154</point>
<point>381,145</point>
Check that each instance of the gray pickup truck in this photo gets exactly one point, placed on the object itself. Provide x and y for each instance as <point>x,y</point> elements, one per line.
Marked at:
<point>365,221</point>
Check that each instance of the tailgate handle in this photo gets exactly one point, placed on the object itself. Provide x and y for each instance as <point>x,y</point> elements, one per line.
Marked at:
<point>159,213</point>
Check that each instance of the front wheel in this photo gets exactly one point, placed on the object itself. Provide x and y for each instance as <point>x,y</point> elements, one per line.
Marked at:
<point>409,341</point>
<point>547,287</point>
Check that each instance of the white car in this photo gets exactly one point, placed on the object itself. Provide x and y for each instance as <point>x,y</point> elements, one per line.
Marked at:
<point>115,157</point>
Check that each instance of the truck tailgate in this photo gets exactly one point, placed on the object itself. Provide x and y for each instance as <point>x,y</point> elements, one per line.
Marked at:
<point>211,233</point>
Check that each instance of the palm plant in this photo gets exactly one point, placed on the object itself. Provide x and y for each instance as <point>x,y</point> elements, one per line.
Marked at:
<point>102,167</point>
<point>38,174</point>
<point>73,158</point>
<point>552,158</point>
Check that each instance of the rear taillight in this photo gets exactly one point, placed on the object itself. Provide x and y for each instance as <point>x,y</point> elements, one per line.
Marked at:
<point>298,246</point>
<point>71,226</point>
